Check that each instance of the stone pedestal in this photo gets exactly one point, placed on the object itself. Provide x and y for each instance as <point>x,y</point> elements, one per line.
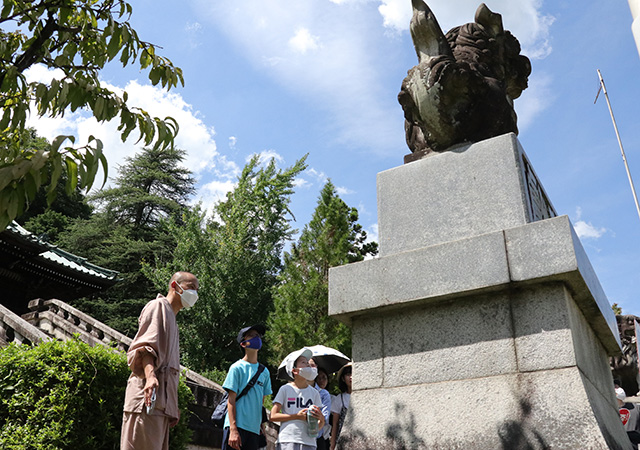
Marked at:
<point>482,324</point>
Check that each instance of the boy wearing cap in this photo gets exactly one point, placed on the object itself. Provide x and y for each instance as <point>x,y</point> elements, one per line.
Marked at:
<point>294,400</point>
<point>244,418</point>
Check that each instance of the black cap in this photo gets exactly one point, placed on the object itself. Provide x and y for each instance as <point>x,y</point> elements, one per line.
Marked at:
<point>259,328</point>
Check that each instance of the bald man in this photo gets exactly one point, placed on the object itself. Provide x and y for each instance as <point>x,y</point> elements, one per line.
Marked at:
<point>154,360</point>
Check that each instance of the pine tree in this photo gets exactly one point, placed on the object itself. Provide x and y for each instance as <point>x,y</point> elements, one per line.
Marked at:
<point>332,238</point>
<point>151,185</point>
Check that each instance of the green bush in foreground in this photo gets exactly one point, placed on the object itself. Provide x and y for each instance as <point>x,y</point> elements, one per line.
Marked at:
<point>64,395</point>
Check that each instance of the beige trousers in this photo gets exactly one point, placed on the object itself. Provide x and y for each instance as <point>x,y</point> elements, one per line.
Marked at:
<point>144,432</point>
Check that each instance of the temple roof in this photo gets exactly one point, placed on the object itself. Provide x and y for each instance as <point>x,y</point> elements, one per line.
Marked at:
<point>33,268</point>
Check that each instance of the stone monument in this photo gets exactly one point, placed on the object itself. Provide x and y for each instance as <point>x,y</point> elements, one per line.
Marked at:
<point>482,324</point>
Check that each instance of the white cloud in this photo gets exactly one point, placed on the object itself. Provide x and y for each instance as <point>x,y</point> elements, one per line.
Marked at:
<point>372,235</point>
<point>332,62</point>
<point>318,176</point>
<point>303,41</point>
<point>585,230</point>
<point>363,210</point>
<point>43,75</point>
<point>194,136</point>
<point>213,192</point>
<point>193,31</point>
<point>396,14</point>
<point>344,191</point>
<point>265,157</point>
<point>535,99</point>
<point>301,183</point>
<point>195,26</point>
<point>232,142</point>
<point>523,18</point>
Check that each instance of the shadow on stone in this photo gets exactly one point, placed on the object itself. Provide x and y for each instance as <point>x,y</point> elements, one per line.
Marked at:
<point>516,434</point>
<point>402,434</point>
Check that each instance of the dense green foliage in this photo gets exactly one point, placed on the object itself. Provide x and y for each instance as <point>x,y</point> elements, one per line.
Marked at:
<point>61,395</point>
<point>300,317</point>
<point>236,256</point>
<point>78,38</point>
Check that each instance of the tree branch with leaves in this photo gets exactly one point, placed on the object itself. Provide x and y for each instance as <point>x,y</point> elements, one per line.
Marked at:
<point>77,37</point>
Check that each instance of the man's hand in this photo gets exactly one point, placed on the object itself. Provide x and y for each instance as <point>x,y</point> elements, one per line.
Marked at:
<point>148,365</point>
<point>234,439</point>
<point>150,385</point>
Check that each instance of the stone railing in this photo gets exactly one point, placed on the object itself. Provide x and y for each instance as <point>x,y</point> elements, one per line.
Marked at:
<point>62,321</point>
<point>14,329</point>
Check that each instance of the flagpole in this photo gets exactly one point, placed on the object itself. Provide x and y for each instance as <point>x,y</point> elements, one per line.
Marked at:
<point>615,126</point>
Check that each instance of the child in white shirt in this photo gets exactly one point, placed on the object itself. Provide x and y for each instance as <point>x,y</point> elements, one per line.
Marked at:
<point>292,402</point>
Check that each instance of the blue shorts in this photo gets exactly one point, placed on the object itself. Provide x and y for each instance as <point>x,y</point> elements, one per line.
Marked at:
<point>249,440</point>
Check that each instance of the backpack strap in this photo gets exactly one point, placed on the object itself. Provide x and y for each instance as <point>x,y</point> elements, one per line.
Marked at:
<point>252,382</point>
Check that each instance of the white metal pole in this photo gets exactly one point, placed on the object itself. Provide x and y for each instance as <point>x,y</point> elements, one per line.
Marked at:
<point>615,126</point>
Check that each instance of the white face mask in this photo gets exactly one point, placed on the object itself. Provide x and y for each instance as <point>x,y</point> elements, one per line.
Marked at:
<point>309,373</point>
<point>189,297</point>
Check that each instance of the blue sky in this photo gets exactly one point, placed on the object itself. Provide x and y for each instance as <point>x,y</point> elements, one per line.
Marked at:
<point>284,78</point>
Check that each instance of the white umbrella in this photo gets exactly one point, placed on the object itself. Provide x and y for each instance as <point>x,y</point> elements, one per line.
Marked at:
<point>328,358</point>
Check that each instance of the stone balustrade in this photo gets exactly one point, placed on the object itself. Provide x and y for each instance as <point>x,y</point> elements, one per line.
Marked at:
<point>63,321</point>
<point>14,329</point>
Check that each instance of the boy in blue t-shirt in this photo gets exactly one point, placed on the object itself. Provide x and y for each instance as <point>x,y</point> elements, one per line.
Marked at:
<point>244,418</point>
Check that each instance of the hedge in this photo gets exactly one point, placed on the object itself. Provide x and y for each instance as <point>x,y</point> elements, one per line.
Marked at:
<point>68,395</point>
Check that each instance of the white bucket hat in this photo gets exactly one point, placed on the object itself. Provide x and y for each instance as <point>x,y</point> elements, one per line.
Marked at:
<point>292,357</point>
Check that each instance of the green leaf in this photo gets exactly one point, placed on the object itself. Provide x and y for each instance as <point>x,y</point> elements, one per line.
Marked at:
<point>114,44</point>
<point>56,161</point>
<point>5,119</point>
<point>30,185</point>
<point>6,11</point>
<point>12,204</point>
<point>155,74</point>
<point>98,109</point>
<point>72,174</point>
<point>58,140</point>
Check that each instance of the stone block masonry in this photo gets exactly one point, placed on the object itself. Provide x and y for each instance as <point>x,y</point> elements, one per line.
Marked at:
<point>482,325</point>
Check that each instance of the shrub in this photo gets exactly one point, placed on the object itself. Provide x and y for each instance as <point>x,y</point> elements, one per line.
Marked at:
<point>60,395</point>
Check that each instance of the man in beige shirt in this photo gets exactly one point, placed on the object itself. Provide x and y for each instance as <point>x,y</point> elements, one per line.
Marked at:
<point>154,360</point>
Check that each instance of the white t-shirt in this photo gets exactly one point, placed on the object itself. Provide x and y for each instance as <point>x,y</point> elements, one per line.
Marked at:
<point>337,402</point>
<point>293,400</point>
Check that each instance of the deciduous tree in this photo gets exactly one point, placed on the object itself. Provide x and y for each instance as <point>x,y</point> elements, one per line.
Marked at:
<point>236,256</point>
<point>332,238</point>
